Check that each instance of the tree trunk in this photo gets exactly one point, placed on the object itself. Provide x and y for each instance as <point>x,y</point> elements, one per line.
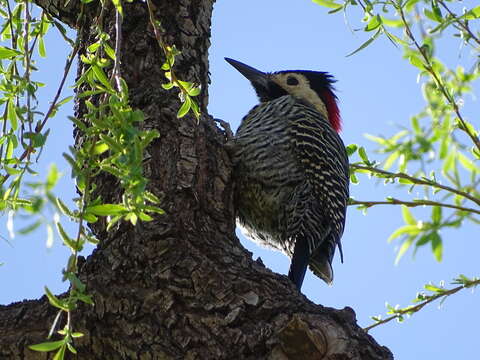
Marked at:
<point>181,286</point>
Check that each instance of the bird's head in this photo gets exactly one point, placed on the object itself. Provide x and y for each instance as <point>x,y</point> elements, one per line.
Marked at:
<point>313,87</point>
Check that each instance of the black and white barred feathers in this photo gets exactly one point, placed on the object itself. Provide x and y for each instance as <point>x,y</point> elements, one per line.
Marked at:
<point>291,169</point>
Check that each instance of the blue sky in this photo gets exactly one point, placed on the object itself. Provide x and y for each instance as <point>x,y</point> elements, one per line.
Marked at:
<point>378,92</point>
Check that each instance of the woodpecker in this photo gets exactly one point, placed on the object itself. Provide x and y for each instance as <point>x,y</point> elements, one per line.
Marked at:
<point>291,169</point>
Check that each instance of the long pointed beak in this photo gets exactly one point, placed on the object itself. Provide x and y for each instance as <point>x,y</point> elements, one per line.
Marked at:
<point>252,74</point>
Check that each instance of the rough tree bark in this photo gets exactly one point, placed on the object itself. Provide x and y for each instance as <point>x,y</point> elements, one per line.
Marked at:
<point>182,286</point>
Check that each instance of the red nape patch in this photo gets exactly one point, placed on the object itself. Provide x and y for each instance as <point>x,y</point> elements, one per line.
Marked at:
<point>333,111</point>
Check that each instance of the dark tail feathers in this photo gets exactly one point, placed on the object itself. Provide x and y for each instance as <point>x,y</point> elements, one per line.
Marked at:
<point>299,264</point>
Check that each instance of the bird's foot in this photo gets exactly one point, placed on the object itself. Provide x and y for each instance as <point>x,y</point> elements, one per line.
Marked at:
<point>226,129</point>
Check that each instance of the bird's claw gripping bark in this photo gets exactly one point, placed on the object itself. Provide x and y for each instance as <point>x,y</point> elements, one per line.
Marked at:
<point>226,129</point>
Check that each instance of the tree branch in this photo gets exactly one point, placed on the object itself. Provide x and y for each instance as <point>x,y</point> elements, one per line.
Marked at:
<point>409,310</point>
<point>414,180</point>
<point>416,202</point>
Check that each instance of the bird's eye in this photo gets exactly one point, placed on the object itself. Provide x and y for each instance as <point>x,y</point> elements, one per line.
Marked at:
<point>292,81</point>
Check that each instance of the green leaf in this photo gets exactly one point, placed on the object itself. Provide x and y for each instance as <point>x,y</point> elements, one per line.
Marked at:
<point>60,355</point>
<point>379,140</point>
<point>390,160</point>
<point>327,3</point>
<point>194,91</point>
<point>112,170</point>
<point>109,51</point>
<point>366,43</point>
<point>468,164</point>
<point>64,208</point>
<point>466,126</point>
<point>449,162</point>
<point>100,76</point>
<point>71,243</point>
<point>12,171</point>
<point>437,246</point>
<point>353,178</point>
<point>64,101</point>
<point>396,23</point>
<point>410,4</point>
<point>473,13</point>
<point>11,145</point>
<point>423,240</point>
<point>112,143</point>
<point>436,11</point>
<point>47,346</point>
<point>87,299</point>
<point>6,53</point>
<point>106,209</point>
<point>74,280</point>
<point>54,301</point>
<point>374,23</point>
<point>28,229</point>
<point>185,107</point>
<point>100,148</point>
<point>444,145</point>
<point>351,149</point>
<point>403,249</point>
<point>144,217</point>
<point>12,115</point>
<point>436,215</point>
<point>433,288</point>
<point>432,15</point>
<point>152,197</point>
<point>168,86</point>
<point>90,218</point>
<point>154,209</point>
<point>185,85</point>
<point>407,216</point>
<point>132,217</point>
<point>416,125</point>
<point>113,221</point>
<point>416,61</point>
<point>118,6</point>
<point>41,48</point>
<point>363,155</point>
<point>195,109</point>
<point>53,176</point>
<point>404,230</point>
<point>71,348</point>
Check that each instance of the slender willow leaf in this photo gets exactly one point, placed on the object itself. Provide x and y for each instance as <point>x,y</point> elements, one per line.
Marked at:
<point>47,346</point>
<point>368,42</point>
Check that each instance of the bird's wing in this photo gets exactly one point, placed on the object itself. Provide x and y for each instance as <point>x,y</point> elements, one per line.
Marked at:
<point>322,154</point>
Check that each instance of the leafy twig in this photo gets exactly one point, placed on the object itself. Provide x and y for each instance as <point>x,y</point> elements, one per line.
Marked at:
<point>414,180</point>
<point>187,89</point>
<point>118,43</point>
<point>27,66</point>
<point>462,24</point>
<point>166,48</point>
<point>41,125</point>
<point>429,67</point>
<point>438,293</point>
<point>417,202</point>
